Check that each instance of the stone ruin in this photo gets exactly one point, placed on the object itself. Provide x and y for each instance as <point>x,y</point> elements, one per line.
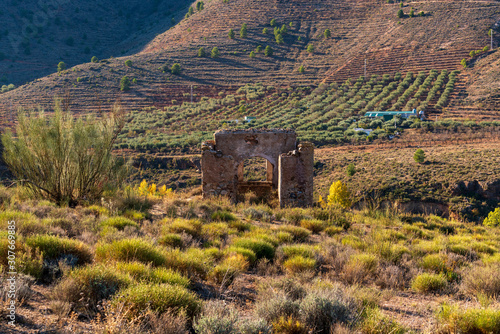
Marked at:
<point>289,165</point>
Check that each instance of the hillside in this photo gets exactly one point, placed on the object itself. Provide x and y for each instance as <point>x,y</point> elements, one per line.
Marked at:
<point>35,36</point>
<point>360,30</point>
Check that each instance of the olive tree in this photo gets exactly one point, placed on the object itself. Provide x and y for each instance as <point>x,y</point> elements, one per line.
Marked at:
<point>64,159</point>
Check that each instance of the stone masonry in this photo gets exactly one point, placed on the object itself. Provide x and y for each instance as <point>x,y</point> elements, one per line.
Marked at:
<point>289,166</point>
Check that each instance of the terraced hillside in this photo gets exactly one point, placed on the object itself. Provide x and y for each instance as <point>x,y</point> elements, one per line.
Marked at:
<point>37,35</point>
<point>358,29</point>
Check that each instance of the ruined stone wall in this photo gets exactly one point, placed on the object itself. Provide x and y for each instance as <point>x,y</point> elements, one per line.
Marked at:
<point>291,172</point>
<point>295,185</point>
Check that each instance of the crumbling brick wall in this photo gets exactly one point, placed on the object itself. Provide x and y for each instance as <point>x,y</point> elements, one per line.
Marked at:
<point>223,158</point>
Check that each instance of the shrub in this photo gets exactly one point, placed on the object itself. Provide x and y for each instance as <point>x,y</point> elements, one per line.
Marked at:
<point>61,66</point>
<point>176,69</point>
<point>327,33</point>
<point>130,250</point>
<point>63,159</point>
<point>265,31</point>
<point>215,52</point>
<point>299,264</point>
<point>223,216</point>
<point>128,62</point>
<point>463,62</point>
<point>90,285</point>
<point>272,22</point>
<point>201,52</point>
<point>55,248</point>
<point>313,225</point>
<point>350,170</point>
<point>321,309</point>
<point>301,69</point>
<point>261,248</point>
<point>252,54</point>
<point>419,156</point>
<point>271,308</point>
<point>243,30</point>
<point>482,280</point>
<point>94,59</point>
<point>192,227</point>
<point>268,51</point>
<point>310,48</point>
<point>226,272</point>
<point>200,5</point>
<point>454,319</point>
<point>248,254</point>
<point>289,326</point>
<point>434,262</point>
<point>160,298</point>
<point>493,218</point>
<point>231,34</point>
<point>125,84</point>
<point>339,194</point>
<point>429,282</point>
<point>298,233</point>
<point>216,318</point>
<point>171,240</point>
<point>119,222</point>
<point>401,14</point>
<point>376,322</point>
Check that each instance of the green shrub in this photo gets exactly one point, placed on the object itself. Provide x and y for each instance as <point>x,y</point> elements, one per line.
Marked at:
<point>61,66</point>
<point>201,52</point>
<point>26,223</point>
<point>327,33</point>
<point>310,48</point>
<point>192,227</point>
<point>243,30</point>
<point>160,298</point>
<point>94,59</point>
<point>125,84</point>
<point>90,285</point>
<point>350,170</point>
<point>493,218</point>
<point>297,249</point>
<point>298,263</point>
<point>223,216</point>
<point>225,272</point>
<point>245,252</point>
<point>429,283</point>
<point>333,230</point>
<point>128,62</point>
<point>313,225</point>
<point>419,156</point>
<point>231,34</point>
<point>54,248</point>
<point>261,248</point>
<point>454,319</point>
<point>119,223</point>
<point>130,250</point>
<point>171,240</point>
<point>298,233</point>
<point>434,262</point>
<point>63,159</point>
<point>215,52</point>
<point>401,14</point>
<point>268,51</point>
<point>176,69</point>
<point>375,322</point>
<point>301,69</point>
